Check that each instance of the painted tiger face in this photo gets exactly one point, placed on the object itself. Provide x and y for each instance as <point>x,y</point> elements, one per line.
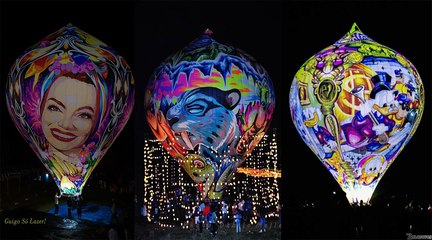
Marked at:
<point>204,116</point>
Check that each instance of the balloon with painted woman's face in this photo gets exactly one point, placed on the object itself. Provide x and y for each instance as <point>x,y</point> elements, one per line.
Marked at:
<point>209,105</point>
<point>70,95</point>
<point>356,104</point>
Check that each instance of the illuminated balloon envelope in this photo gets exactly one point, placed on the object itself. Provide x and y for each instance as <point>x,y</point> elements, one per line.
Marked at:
<point>356,104</point>
<point>70,95</point>
<point>209,105</point>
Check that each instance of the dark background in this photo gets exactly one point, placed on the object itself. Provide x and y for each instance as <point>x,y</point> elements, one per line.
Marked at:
<point>281,38</point>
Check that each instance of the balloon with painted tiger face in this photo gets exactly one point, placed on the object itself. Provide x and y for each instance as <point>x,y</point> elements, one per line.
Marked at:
<point>209,105</point>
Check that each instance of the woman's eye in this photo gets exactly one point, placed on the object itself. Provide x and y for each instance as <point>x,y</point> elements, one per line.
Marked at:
<point>85,115</point>
<point>53,108</point>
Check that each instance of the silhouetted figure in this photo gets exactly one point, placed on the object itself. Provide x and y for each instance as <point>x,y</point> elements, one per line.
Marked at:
<point>224,213</point>
<point>201,221</point>
<point>114,212</point>
<point>69,206</point>
<point>79,206</point>
<point>112,233</point>
<point>155,210</point>
<point>144,213</point>
<point>262,222</point>
<point>56,202</point>
<point>279,212</point>
<point>238,218</point>
<point>213,222</point>
<point>196,215</point>
<point>206,212</point>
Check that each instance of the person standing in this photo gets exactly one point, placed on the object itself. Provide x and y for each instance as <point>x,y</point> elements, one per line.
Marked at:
<point>202,206</point>
<point>262,222</point>
<point>279,211</point>
<point>156,214</point>
<point>201,221</point>
<point>155,206</point>
<point>209,221</point>
<point>238,218</point>
<point>113,212</point>
<point>206,212</point>
<point>224,212</point>
<point>144,213</point>
<point>196,215</point>
<point>213,225</point>
<point>56,202</point>
<point>69,206</point>
<point>79,206</point>
<point>112,233</point>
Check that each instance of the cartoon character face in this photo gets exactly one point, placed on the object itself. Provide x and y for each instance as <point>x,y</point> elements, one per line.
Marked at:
<point>69,114</point>
<point>205,116</point>
<point>312,115</point>
<point>371,169</point>
<point>385,102</point>
<point>197,167</point>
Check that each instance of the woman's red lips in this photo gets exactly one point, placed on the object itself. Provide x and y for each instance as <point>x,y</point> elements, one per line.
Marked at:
<point>62,136</point>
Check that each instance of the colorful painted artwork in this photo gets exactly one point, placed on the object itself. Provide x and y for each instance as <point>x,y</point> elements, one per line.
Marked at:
<point>70,95</point>
<point>356,104</point>
<point>209,105</point>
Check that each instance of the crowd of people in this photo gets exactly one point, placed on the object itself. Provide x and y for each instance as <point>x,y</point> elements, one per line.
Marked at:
<point>210,214</point>
<point>391,219</point>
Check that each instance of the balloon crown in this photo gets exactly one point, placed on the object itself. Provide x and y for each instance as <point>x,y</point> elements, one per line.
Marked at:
<point>354,35</point>
<point>208,31</point>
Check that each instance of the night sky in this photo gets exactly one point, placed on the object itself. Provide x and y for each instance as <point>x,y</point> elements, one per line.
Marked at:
<point>280,38</point>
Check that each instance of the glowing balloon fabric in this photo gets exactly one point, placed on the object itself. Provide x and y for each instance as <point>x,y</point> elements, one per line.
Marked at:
<point>70,95</point>
<point>209,105</point>
<point>356,104</point>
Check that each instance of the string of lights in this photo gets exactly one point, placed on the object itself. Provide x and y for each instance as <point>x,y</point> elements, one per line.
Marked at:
<point>168,186</point>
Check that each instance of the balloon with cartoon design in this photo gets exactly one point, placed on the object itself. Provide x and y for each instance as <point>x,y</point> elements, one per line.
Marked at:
<point>70,95</point>
<point>356,104</point>
<point>209,105</point>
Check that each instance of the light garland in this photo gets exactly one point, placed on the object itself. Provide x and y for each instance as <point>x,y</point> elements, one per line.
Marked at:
<point>163,176</point>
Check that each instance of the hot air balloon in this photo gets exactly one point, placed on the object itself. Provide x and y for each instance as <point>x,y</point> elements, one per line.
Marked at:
<point>69,96</point>
<point>209,105</point>
<point>356,104</point>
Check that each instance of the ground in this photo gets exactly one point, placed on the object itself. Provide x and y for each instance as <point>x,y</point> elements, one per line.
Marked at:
<point>27,212</point>
<point>31,201</point>
<point>152,231</point>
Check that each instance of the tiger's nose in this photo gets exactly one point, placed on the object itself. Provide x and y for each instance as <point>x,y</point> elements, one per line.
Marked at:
<point>173,120</point>
<point>172,115</point>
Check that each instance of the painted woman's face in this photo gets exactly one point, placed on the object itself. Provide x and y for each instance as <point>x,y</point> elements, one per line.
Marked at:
<point>69,114</point>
